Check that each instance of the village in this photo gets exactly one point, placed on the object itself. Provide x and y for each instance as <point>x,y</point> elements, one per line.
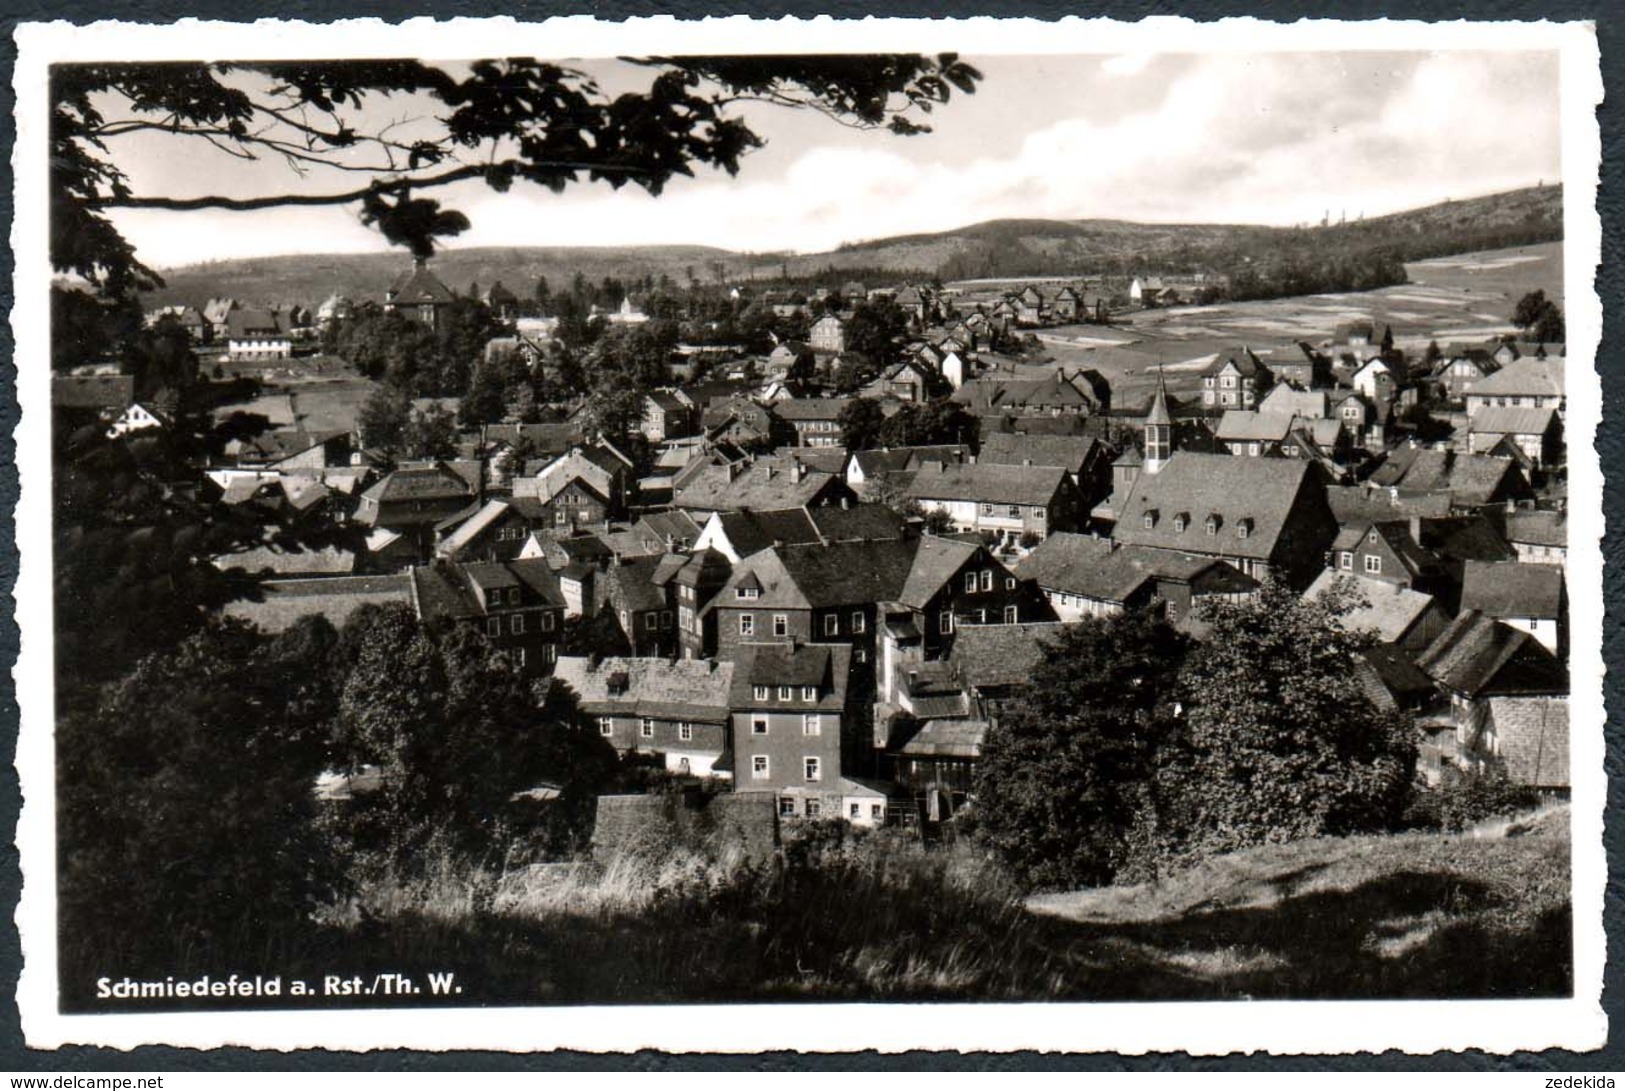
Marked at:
<point>813,576</point>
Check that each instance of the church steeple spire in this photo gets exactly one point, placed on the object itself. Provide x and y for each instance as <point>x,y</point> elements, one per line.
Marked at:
<point>1159,429</point>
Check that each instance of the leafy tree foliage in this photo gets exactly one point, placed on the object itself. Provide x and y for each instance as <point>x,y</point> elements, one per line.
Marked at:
<point>504,121</point>
<point>425,362</point>
<point>917,425</point>
<point>455,730</point>
<point>431,432</point>
<point>1279,739</point>
<point>1540,319</point>
<point>133,543</point>
<point>876,331</point>
<point>1064,770</point>
<point>383,418</point>
<point>860,420</point>
<point>185,798</point>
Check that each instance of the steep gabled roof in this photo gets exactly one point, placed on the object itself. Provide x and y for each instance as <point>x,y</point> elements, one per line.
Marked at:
<point>1532,739</point>
<point>1071,453</point>
<point>689,689</point>
<point>1479,656</point>
<point>1548,528</point>
<point>823,665</point>
<point>418,285</point>
<point>1249,425</point>
<point>1507,589</point>
<point>936,561</point>
<point>1390,610</point>
<point>1512,420</point>
<point>988,484</point>
<point>819,576</point>
<point>1001,655</point>
<point>1525,376</point>
<point>1255,494</point>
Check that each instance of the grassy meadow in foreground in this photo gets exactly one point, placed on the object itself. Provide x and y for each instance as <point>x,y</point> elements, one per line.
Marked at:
<point>1416,915</point>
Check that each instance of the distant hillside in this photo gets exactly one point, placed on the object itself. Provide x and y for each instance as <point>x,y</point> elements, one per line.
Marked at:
<point>995,248</point>
<point>1050,247</point>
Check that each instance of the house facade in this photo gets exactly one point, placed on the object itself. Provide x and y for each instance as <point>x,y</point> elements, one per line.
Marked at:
<point>1012,502</point>
<point>675,712</point>
<point>790,726</point>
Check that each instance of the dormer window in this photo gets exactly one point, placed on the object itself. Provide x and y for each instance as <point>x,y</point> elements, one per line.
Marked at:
<point>1213,523</point>
<point>748,592</point>
<point>1149,520</point>
<point>1181,521</point>
<point>1244,528</point>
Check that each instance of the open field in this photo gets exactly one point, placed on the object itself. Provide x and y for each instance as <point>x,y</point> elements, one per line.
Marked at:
<point>1467,297</point>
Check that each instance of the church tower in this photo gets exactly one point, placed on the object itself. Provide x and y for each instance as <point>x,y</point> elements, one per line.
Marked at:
<point>1159,430</point>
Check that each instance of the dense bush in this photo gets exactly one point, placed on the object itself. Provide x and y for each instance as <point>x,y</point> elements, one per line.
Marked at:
<point>1063,772</point>
<point>1279,739</point>
<point>1465,798</point>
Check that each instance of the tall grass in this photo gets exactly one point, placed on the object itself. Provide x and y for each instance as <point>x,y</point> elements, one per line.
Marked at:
<point>879,916</point>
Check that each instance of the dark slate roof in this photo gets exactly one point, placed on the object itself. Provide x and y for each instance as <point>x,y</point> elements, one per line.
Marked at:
<point>763,485</point>
<point>858,523</point>
<point>1246,361</point>
<point>1100,569</point>
<point>1479,656</point>
<point>1399,674</point>
<point>810,409</point>
<point>1001,655</point>
<point>688,689</point>
<point>418,285</point>
<point>1356,505</point>
<point>447,590</point>
<point>823,665</point>
<point>102,392</point>
<point>985,484</point>
<point>936,561</point>
<point>247,323</point>
<point>1071,453</point>
<point>678,525</point>
<point>880,460</point>
<point>631,586</point>
<point>437,482</point>
<point>1508,589</point>
<point>334,597</point>
<point>753,531</point>
<point>1469,480</point>
<point>1390,609</point>
<point>829,460</point>
<point>1532,738</point>
<point>1548,528</point>
<point>815,576</point>
<point>1465,538</point>
<point>1260,490</point>
<point>947,739</point>
<point>706,566</point>
<point>1512,420</point>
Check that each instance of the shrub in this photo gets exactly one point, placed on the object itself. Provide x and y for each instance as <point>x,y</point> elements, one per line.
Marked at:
<point>1465,798</point>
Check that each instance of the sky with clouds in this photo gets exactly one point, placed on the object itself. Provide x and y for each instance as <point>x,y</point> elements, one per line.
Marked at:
<point>1268,138</point>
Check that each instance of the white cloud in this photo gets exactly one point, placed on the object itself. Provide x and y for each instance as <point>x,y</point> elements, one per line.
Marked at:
<point>1264,138</point>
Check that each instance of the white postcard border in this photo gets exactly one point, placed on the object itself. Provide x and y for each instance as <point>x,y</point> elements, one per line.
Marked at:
<point>1199,1028</point>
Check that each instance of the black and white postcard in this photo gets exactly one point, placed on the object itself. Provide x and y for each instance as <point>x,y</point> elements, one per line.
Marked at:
<point>735,535</point>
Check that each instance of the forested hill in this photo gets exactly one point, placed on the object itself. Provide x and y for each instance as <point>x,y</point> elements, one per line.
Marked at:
<point>996,248</point>
<point>1050,247</point>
